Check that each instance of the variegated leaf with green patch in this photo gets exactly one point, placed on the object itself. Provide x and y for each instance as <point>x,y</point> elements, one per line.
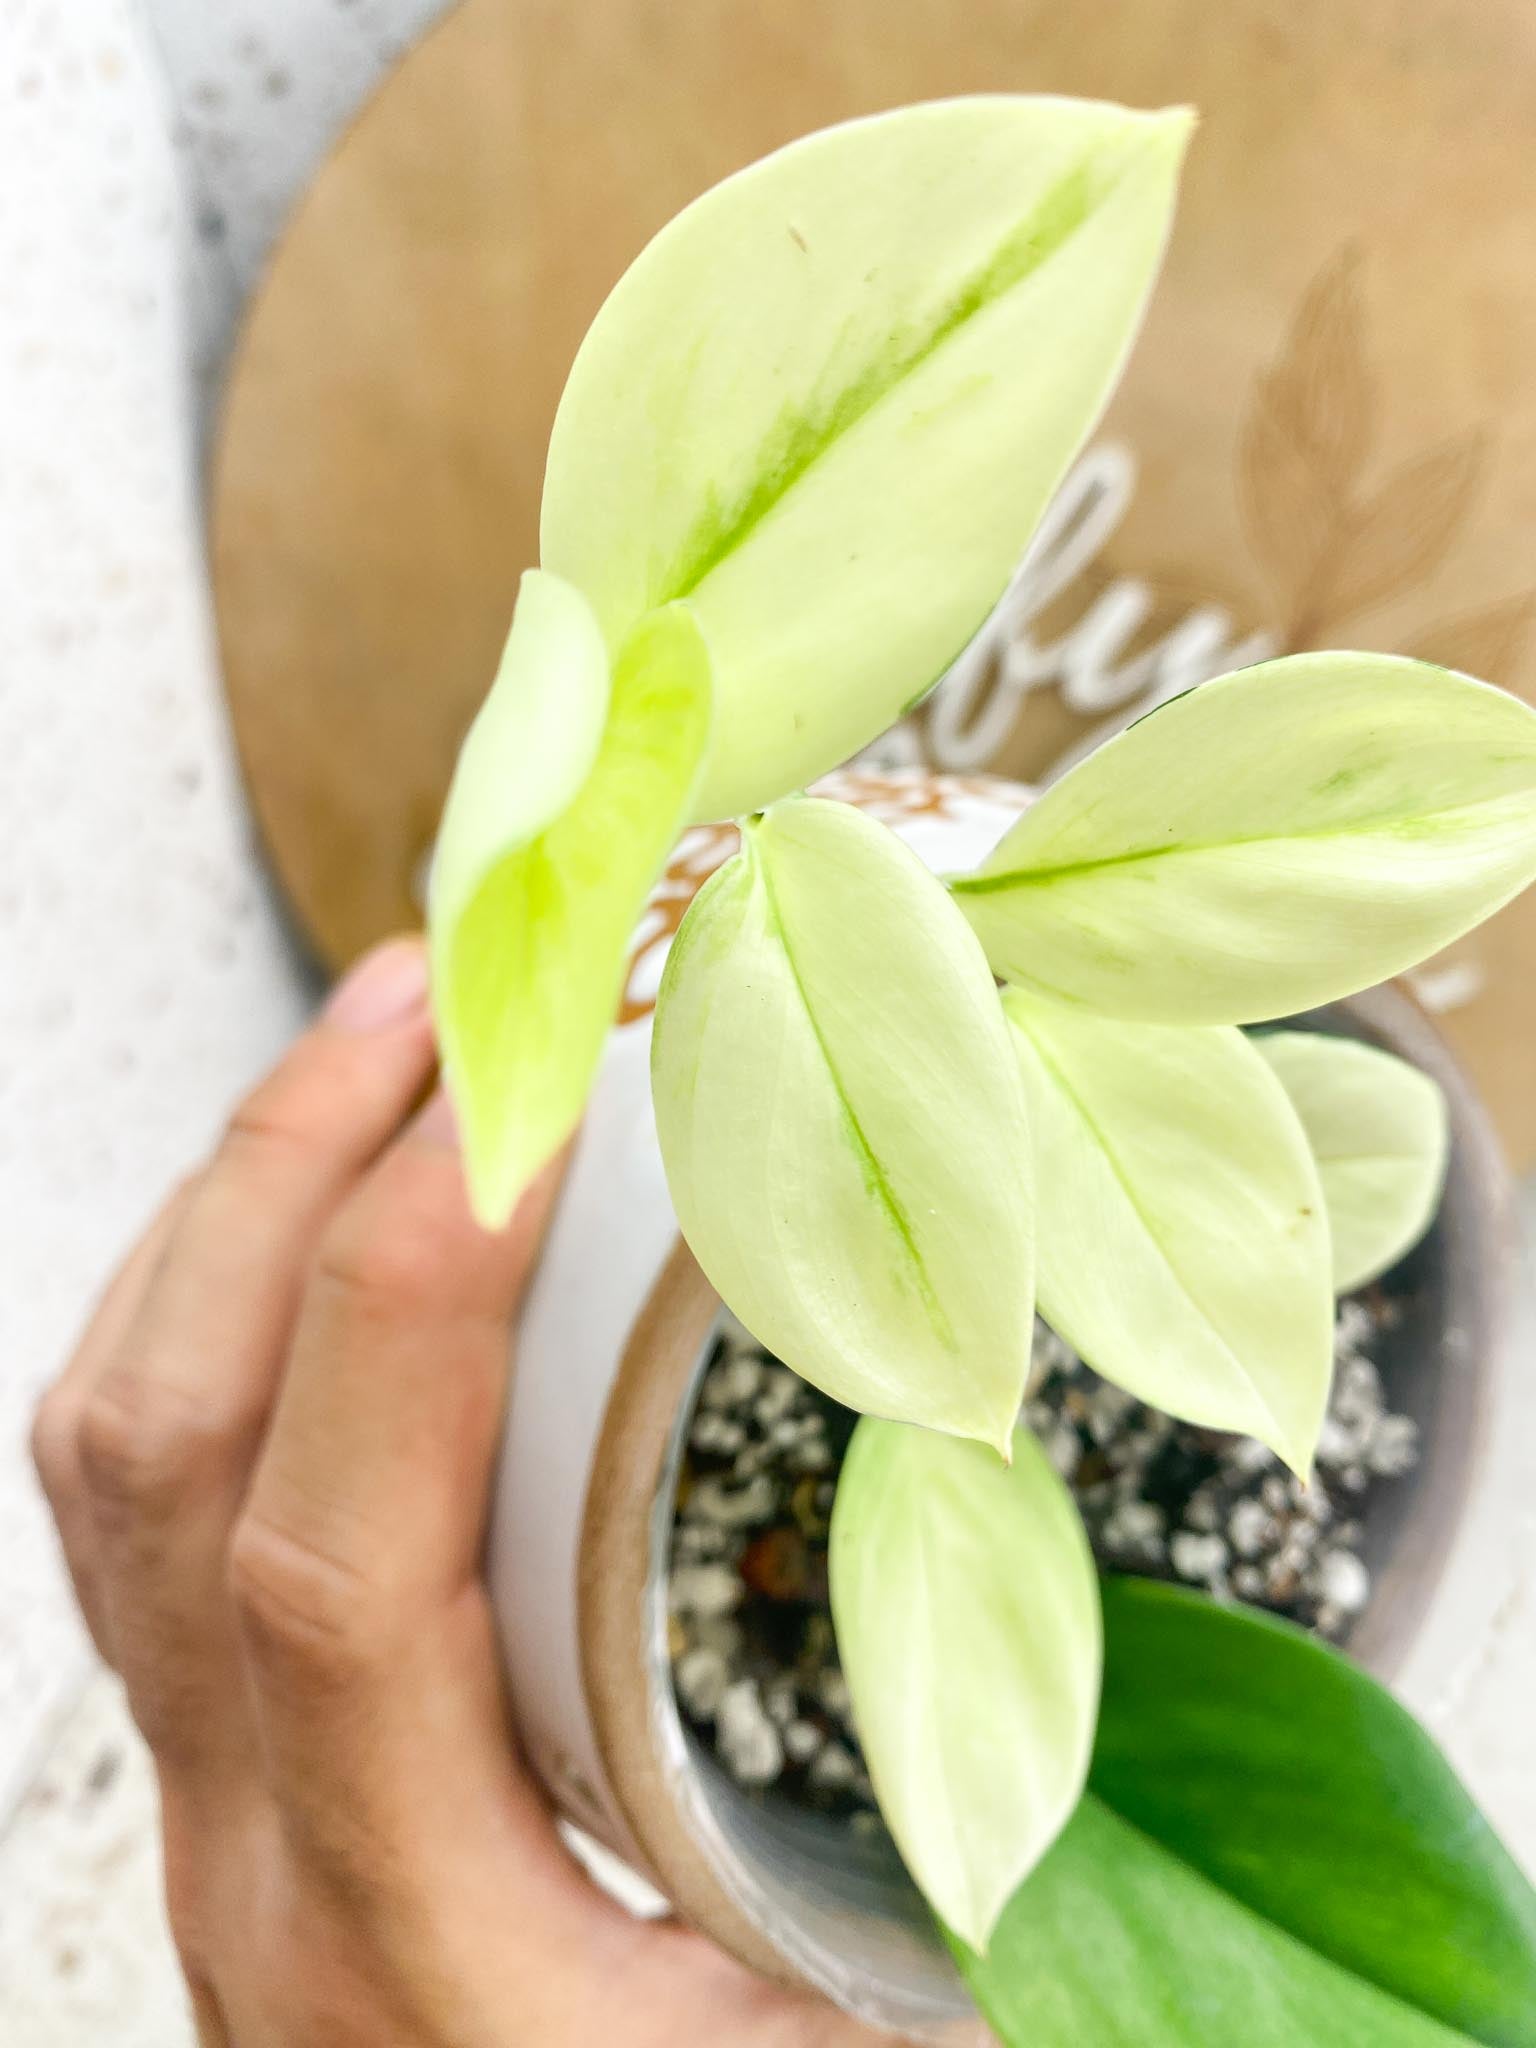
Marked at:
<point>1182,1234</point>
<point>830,401</point>
<point>566,799</point>
<point>1380,1134</point>
<point>1267,842</point>
<point>842,1121</point>
<point>967,1613</point>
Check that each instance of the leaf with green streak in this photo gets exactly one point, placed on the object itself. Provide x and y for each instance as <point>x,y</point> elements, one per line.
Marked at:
<point>1184,1248</point>
<point>1271,1853</point>
<point>830,401</point>
<point>565,803</point>
<point>1268,842</point>
<point>967,1615</point>
<point>842,1122</point>
<point>1379,1132</point>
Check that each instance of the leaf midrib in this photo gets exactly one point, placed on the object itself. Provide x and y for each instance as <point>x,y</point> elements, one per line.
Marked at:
<point>874,1174</point>
<point>1056,217</point>
<point>1029,877</point>
<point>1278,1932</point>
<point>1111,1159</point>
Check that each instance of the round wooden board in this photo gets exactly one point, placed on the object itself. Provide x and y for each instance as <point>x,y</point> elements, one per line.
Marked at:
<point>1330,424</point>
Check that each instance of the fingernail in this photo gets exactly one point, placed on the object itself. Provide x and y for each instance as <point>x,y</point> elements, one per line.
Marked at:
<point>385,987</point>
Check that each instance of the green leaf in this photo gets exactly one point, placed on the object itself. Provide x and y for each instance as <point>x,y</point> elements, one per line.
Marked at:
<point>842,1122</point>
<point>1379,1132</point>
<point>967,1615</point>
<point>556,824</point>
<point>532,744</point>
<point>830,401</point>
<point>1268,842</point>
<point>1272,1853</point>
<point>1183,1251</point>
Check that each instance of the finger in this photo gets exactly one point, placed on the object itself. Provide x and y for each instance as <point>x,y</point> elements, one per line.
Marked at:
<point>356,1563</point>
<point>56,1424</point>
<point>170,1427</point>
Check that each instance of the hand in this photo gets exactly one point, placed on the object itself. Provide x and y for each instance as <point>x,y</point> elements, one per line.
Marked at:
<point>269,1462</point>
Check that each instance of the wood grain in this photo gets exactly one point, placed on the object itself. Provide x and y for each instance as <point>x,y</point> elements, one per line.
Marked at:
<point>1333,408</point>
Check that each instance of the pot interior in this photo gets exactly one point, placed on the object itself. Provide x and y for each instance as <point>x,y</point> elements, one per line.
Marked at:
<point>836,1904</point>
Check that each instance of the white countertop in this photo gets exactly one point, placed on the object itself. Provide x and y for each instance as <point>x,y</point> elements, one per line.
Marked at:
<point>144,974</point>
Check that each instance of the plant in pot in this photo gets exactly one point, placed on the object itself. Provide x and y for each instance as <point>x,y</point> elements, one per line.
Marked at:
<point>798,456</point>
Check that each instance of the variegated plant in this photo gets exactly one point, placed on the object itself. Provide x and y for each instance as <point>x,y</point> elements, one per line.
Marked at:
<point>799,454</point>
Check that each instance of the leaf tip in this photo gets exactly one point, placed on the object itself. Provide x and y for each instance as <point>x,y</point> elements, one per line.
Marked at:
<point>1296,1453</point>
<point>1178,123</point>
<point>492,1195</point>
<point>993,1435</point>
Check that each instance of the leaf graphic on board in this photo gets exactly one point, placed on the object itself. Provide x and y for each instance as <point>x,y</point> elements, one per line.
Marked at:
<point>1283,497</point>
<point>1487,643</point>
<point>1307,432</point>
<point>1321,389</point>
<point>1402,530</point>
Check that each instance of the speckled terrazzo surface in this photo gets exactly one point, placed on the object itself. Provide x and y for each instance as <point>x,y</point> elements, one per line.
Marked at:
<point>147,157</point>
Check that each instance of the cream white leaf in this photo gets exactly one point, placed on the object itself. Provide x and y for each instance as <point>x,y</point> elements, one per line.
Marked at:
<point>1379,1131</point>
<point>1267,842</point>
<point>967,1614</point>
<point>1183,1242</point>
<point>842,1121</point>
<point>830,401</point>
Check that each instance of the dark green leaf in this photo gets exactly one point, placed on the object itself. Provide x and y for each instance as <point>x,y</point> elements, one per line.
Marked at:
<point>1272,1854</point>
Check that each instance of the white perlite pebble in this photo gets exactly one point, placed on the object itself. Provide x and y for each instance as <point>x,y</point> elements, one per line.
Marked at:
<point>778,1396</point>
<point>1337,1443</point>
<point>833,1691</point>
<point>1344,1581</point>
<point>833,1768</point>
<point>700,1676</point>
<point>1202,1513</point>
<point>1248,1526</point>
<point>732,1383</point>
<point>802,1739</point>
<point>1352,1326</point>
<point>780,1701</point>
<point>750,1747</point>
<point>1248,1455</point>
<point>1197,1556</point>
<point>716,1432</point>
<point>733,1506</point>
<point>1135,1522</point>
<point>707,1590</point>
<point>1064,1449</point>
<point>1394,1446</point>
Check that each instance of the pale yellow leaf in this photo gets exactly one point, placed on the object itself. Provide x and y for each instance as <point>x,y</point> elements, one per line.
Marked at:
<point>1182,1236</point>
<point>1379,1132</point>
<point>967,1613</point>
<point>1267,842</point>
<point>830,401</point>
<point>842,1122</point>
<point>557,821</point>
